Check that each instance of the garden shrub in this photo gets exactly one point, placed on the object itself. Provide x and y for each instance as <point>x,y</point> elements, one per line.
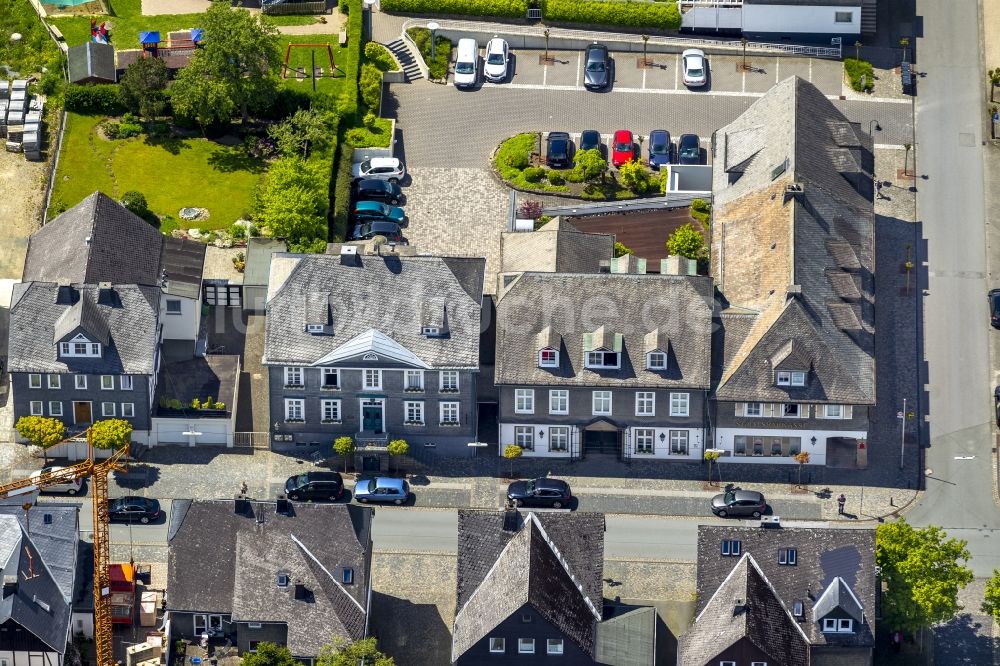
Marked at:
<point>616,12</point>
<point>126,129</point>
<point>855,69</point>
<point>504,8</point>
<point>530,209</point>
<point>370,86</point>
<point>102,99</point>
<point>341,192</point>
<point>438,68</point>
<point>379,56</point>
<point>556,178</point>
<point>515,153</point>
<point>701,210</point>
<point>136,202</point>
<point>533,174</point>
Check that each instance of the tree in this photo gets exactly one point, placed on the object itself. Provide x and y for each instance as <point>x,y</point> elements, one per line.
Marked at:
<point>304,130</point>
<point>512,452</point>
<point>42,431</point>
<point>398,447</point>
<point>711,457</point>
<point>991,602</point>
<point>590,165</point>
<point>110,434</point>
<point>922,573</point>
<point>142,87</point>
<point>240,59</point>
<point>135,201</point>
<point>621,249</point>
<point>195,94</point>
<point>344,446</point>
<point>358,653</point>
<point>269,654</point>
<point>802,458</point>
<point>292,201</point>
<point>687,242</point>
<point>633,176</point>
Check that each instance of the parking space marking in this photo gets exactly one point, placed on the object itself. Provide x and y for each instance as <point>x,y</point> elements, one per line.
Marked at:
<point>777,71</point>
<point>810,70</point>
<point>578,62</point>
<point>644,78</point>
<point>545,73</point>
<point>743,84</point>
<point>677,71</point>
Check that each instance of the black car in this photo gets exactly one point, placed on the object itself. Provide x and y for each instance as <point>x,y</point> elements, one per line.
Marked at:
<point>558,150</point>
<point>370,230</point>
<point>995,307</point>
<point>540,492</point>
<point>133,509</point>
<point>315,486</point>
<point>591,140</point>
<point>689,149</point>
<point>373,189</point>
<point>739,503</point>
<point>597,67</point>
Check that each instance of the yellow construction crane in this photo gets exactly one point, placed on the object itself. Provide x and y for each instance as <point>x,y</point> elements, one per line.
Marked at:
<point>97,472</point>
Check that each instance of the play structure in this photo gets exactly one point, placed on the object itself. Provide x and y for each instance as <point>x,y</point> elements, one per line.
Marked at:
<point>98,33</point>
<point>183,40</point>
<point>318,72</point>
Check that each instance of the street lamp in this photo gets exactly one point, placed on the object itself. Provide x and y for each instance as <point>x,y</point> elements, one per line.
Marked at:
<point>433,27</point>
<point>546,33</point>
<point>645,60</point>
<point>743,41</point>
<point>878,128</point>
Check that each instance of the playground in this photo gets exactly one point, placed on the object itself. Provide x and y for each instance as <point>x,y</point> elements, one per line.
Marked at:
<point>298,53</point>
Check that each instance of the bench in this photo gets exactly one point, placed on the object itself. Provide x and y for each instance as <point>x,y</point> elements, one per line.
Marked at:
<point>342,38</point>
<point>906,73</point>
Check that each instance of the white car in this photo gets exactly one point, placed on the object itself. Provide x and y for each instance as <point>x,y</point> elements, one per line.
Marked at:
<point>497,60</point>
<point>69,487</point>
<point>383,168</point>
<point>695,68</point>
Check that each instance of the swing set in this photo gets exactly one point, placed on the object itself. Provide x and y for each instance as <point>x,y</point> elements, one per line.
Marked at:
<point>318,72</point>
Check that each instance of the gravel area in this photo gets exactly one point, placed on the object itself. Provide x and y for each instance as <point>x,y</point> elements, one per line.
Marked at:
<point>22,196</point>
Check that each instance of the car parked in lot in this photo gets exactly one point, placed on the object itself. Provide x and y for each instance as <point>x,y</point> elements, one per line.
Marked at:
<point>739,502</point>
<point>373,189</point>
<point>315,486</point>
<point>370,230</point>
<point>689,149</point>
<point>558,150</point>
<point>132,509</point>
<point>661,148</point>
<point>365,211</point>
<point>497,60</point>
<point>383,168</point>
<point>466,63</point>
<point>68,487</point>
<point>622,147</point>
<point>994,297</point>
<point>382,489</point>
<point>540,492</point>
<point>695,68</point>
<point>591,140</point>
<point>597,67</point>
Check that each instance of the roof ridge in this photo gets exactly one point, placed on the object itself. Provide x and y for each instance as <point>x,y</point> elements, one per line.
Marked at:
<point>564,563</point>
<point>325,570</point>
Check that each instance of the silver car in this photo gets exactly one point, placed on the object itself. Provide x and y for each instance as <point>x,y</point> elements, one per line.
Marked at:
<point>695,68</point>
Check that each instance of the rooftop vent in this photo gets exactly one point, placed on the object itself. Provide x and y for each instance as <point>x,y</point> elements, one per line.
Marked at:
<point>349,255</point>
<point>47,518</point>
<point>794,190</point>
<point>282,580</point>
<point>798,609</point>
<point>283,507</point>
<point>243,507</point>
<point>770,521</point>
<point>41,604</point>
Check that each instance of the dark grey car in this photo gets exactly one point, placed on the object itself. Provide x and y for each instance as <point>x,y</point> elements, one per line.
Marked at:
<point>597,67</point>
<point>739,503</point>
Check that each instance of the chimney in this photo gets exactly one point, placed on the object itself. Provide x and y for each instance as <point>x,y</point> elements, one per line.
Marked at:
<point>301,593</point>
<point>349,255</point>
<point>105,292</point>
<point>242,506</point>
<point>283,507</point>
<point>511,520</point>
<point>740,606</point>
<point>678,265</point>
<point>793,291</point>
<point>9,585</point>
<point>794,191</point>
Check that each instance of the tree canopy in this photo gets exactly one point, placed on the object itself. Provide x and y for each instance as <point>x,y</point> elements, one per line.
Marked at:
<point>110,434</point>
<point>269,654</point>
<point>358,653</point>
<point>590,165</point>
<point>142,87</point>
<point>292,201</point>
<point>922,572</point>
<point>991,599</point>
<point>41,430</point>
<point>306,129</point>
<point>687,242</point>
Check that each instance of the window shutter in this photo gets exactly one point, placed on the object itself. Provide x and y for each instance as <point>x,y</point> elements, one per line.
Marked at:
<point>821,411</point>
<point>848,411</point>
<point>803,411</point>
<point>741,409</point>
<point>768,409</point>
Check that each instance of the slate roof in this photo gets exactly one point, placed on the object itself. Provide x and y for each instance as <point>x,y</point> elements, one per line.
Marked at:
<point>99,240</point>
<point>811,245</point>
<point>128,321</point>
<point>56,540</point>
<point>92,62</point>
<point>628,637</point>
<point>38,604</point>
<point>746,607</point>
<point>554,562</point>
<point>822,555</point>
<point>220,561</point>
<point>379,298</point>
<point>557,247</point>
<point>809,3</point>
<point>678,308</point>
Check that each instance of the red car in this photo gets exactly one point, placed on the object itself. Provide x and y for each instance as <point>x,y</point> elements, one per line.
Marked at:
<point>622,148</point>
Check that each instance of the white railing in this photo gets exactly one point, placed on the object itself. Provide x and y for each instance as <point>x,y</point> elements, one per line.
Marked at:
<point>414,50</point>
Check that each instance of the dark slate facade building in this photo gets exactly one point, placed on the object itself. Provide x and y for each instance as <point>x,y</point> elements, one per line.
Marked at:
<point>783,596</point>
<point>793,257</point>
<point>373,344</point>
<point>298,575</point>
<point>613,362</point>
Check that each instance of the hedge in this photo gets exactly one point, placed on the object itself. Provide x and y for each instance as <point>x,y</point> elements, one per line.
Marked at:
<point>664,16</point>
<point>438,68</point>
<point>104,99</point>
<point>504,8</point>
<point>855,70</point>
<point>355,28</point>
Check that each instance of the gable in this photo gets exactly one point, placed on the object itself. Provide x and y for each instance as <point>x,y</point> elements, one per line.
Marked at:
<point>371,349</point>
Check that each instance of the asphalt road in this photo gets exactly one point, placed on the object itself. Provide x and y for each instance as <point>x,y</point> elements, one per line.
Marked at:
<point>950,204</point>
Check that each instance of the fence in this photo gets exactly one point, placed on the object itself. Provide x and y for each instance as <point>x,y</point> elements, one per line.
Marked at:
<point>281,8</point>
<point>259,441</point>
<point>670,200</point>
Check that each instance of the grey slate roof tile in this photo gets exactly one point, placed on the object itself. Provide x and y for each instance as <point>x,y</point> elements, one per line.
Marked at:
<point>557,247</point>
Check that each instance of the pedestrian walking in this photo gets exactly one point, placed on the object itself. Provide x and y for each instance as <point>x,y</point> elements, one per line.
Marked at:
<point>897,641</point>
<point>243,489</point>
<point>841,501</point>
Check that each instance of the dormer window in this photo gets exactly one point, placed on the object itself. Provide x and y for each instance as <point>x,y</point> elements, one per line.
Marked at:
<point>430,331</point>
<point>314,328</point>
<point>84,349</point>
<point>786,378</point>
<point>656,360</point>
<point>548,358</point>
<point>838,625</point>
<point>602,359</point>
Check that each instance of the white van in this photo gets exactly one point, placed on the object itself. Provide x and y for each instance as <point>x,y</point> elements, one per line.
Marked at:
<point>467,63</point>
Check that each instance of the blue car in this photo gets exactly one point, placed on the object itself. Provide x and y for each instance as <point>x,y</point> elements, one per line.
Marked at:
<point>368,211</point>
<point>382,489</point>
<point>661,149</point>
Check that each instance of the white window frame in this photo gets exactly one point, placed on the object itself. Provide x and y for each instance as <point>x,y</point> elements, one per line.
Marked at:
<point>413,380</point>
<point>524,436</point>
<point>843,17</point>
<point>727,663</point>
<point>295,409</point>
<point>327,372</point>
<point>679,439</point>
<point>446,408</point>
<point>553,362</point>
<point>314,328</point>
<point>430,331</point>
<point>128,410</point>
<point>788,556</point>
<point>837,409</point>
<point>645,403</point>
<point>597,359</point>
<point>108,409</point>
<point>558,401</point>
<point>758,663</point>
<point>36,408</point>
<point>560,433</point>
<point>82,348</point>
<point>125,382</point>
<point>554,646</point>
<point>680,404</point>
<point>371,379</point>
<point>524,401</point>
<point>602,396</point>
<point>731,547</point>
<point>798,378</point>
<point>783,378</point>
<point>330,410</point>
<point>413,411</point>
<point>34,381</point>
<point>661,358</point>
<point>498,645</point>
<point>294,376</point>
<point>107,382</point>
<point>845,625</point>
<point>642,437</point>
<point>55,408</point>
<point>526,646</point>
<point>758,409</point>
<point>174,306</point>
<point>448,381</point>
<point>829,625</point>
<point>80,382</point>
<point>53,381</point>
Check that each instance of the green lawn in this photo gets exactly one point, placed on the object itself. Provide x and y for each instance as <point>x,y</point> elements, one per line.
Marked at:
<point>300,57</point>
<point>35,49</point>
<point>172,173</point>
